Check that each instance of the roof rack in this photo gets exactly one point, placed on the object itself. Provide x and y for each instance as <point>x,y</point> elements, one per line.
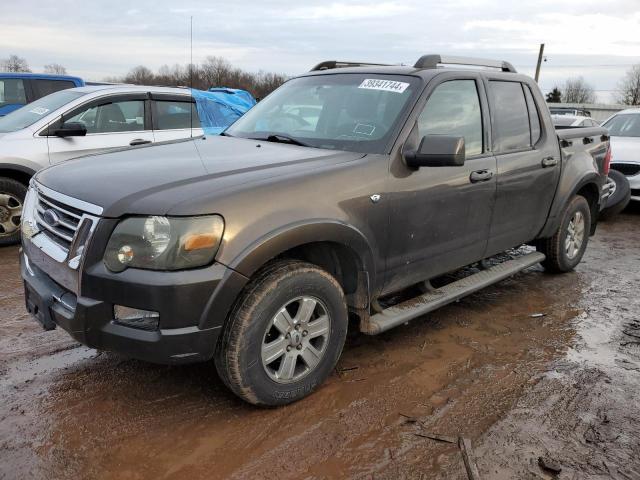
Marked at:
<point>331,64</point>
<point>432,61</point>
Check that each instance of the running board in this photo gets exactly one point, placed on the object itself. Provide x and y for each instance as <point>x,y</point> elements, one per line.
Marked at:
<point>417,306</point>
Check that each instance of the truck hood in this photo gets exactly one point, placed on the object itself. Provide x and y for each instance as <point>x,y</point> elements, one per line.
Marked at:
<point>625,149</point>
<point>152,180</point>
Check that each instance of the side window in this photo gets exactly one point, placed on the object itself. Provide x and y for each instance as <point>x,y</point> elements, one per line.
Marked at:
<point>454,109</point>
<point>511,117</point>
<point>534,116</point>
<point>12,92</point>
<point>42,88</point>
<point>172,114</point>
<point>112,117</point>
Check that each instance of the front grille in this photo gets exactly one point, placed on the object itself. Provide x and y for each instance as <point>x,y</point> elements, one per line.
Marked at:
<point>56,220</point>
<point>627,169</point>
<point>635,192</point>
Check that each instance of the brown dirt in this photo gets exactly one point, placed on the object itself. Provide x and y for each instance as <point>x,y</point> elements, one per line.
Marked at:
<point>564,385</point>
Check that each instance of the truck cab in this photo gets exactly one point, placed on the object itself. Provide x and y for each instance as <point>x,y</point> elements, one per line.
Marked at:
<point>18,89</point>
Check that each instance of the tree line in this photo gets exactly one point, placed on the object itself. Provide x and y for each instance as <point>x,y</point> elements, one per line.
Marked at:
<point>218,72</point>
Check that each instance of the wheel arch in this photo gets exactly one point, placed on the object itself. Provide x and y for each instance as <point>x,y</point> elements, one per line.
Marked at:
<point>339,248</point>
<point>16,172</point>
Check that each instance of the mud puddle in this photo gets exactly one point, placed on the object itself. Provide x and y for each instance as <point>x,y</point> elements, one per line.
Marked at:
<point>490,368</point>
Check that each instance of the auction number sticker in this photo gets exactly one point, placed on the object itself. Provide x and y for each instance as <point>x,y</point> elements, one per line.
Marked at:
<point>386,85</point>
<point>39,110</point>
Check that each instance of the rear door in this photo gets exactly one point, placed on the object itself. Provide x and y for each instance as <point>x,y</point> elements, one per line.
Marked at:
<point>441,215</point>
<point>174,117</point>
<point>13,94</point>
<point>112,122</point>
<point>528,162</point>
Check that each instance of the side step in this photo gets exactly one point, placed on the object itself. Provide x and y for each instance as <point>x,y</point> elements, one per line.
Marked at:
<point>417,306</point>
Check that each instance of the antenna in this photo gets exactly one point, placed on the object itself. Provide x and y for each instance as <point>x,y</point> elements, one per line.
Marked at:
<point>191,76</point>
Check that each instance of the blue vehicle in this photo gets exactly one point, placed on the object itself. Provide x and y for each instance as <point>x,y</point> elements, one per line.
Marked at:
<point>18,89</point>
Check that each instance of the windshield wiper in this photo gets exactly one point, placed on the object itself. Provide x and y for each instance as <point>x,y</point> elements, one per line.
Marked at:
<point>277,138</point>
<point>225,134</point>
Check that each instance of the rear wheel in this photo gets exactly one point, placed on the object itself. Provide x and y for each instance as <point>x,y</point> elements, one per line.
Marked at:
<point>565,248</point>
<point>285,334</point>
<point>12,195</point>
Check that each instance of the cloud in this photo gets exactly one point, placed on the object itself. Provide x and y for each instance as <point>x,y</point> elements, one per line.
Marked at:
<point>344,11</point>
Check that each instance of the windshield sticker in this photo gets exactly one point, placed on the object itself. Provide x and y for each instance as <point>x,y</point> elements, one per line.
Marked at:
<point>39,110</point>
<point>386,85</point>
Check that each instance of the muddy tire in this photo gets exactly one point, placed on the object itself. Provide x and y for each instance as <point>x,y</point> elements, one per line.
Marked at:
<point>12,195</point>
<point>565,248</point>
<point>620,198</point>
<point>284,335</point>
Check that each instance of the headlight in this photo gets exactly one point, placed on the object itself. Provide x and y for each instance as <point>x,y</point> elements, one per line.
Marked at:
<point>164,243</point>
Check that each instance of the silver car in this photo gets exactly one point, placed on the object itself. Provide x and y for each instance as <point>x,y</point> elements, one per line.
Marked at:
<point>82,121</point>
<point>624,128</point>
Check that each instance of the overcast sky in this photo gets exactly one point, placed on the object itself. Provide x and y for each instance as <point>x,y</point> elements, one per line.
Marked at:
<point>598,39</point>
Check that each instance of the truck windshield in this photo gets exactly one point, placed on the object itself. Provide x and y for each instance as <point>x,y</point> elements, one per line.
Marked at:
<point>31,113</point>
<point>624,125</point>
<point>356,112</point>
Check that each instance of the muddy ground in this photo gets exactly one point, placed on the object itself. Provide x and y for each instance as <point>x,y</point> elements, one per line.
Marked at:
<point>564,385</point>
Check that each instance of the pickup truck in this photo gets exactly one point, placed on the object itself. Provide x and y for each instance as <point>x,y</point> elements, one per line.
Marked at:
<point>18,89</point>
<point>256,248</point>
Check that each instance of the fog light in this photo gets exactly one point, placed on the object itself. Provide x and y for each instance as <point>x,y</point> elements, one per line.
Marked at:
<point>136,318</point>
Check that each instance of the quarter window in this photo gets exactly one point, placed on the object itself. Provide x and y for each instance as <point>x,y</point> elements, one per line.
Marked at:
<point>112,117</point>
<point>171,115</point>
<point>511,117</point>
<point>454,109</point>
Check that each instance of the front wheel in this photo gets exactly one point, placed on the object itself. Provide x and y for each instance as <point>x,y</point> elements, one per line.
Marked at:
<point>285,334</point>
<point>12,195</point>
<point>565,248</point>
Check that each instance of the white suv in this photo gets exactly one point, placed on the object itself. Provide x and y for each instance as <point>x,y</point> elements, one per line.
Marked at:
<point>82,121</point>
<point>624,128</point>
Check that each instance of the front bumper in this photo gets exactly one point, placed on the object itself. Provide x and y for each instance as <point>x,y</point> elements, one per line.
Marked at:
<point>91,321</point>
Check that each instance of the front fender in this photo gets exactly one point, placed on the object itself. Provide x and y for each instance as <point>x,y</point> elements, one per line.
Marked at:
<point>294,235</point>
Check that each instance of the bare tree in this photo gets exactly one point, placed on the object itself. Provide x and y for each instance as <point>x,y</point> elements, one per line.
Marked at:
<point>629,87</point>
<point>214,72</point>
<point>140,75</point>
<point>14,64</point>
<point>576,90</point>
<point>55,68</point>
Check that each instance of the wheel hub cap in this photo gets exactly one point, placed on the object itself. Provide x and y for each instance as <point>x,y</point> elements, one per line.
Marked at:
<point>10,213</point>
<point>575,235</point>
<point>296,339</point>
<point>4,214</point>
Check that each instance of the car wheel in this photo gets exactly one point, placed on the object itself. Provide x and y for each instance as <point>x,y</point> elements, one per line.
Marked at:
<point>565,248</point>
<point>619,198</point>
<point>12,195</point>
<point>284,335</point>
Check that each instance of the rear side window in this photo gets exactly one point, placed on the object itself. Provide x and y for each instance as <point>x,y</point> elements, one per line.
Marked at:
<point>454,109</point>
<point>43,88</point>
<point>171,115</point>
<point>12,92</point>
<point>111,117</point>
<point>534,116</point>
<point>511,116</point>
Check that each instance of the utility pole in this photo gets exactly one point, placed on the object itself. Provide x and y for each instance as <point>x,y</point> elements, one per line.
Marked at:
<point>539,61</point>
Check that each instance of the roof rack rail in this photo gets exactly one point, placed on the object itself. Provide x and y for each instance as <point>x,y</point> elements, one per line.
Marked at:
<point>331,64</point>
<point>432,61</point>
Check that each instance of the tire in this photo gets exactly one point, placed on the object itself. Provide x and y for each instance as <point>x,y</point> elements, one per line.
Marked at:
<point>255,373</point>
<point>562,254</point>
<point>620,198</point>
<point>12,195</point>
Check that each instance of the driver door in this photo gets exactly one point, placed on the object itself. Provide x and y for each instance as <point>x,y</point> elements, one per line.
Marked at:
<point>111,122</point>
<point>440,216</point>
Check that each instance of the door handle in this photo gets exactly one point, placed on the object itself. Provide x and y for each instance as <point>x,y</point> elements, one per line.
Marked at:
<point>480,176</point>
<point>139,141</point>
<point>549,162</point>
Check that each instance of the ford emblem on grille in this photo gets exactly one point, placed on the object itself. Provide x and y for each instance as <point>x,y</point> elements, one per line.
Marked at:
<point>51,217</point>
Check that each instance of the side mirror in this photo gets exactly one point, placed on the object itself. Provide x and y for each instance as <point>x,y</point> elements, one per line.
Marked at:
<point>71,129</point>
<point>437,151</point>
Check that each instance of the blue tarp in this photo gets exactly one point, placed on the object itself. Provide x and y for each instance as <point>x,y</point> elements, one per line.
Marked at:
<point>220,107</point>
